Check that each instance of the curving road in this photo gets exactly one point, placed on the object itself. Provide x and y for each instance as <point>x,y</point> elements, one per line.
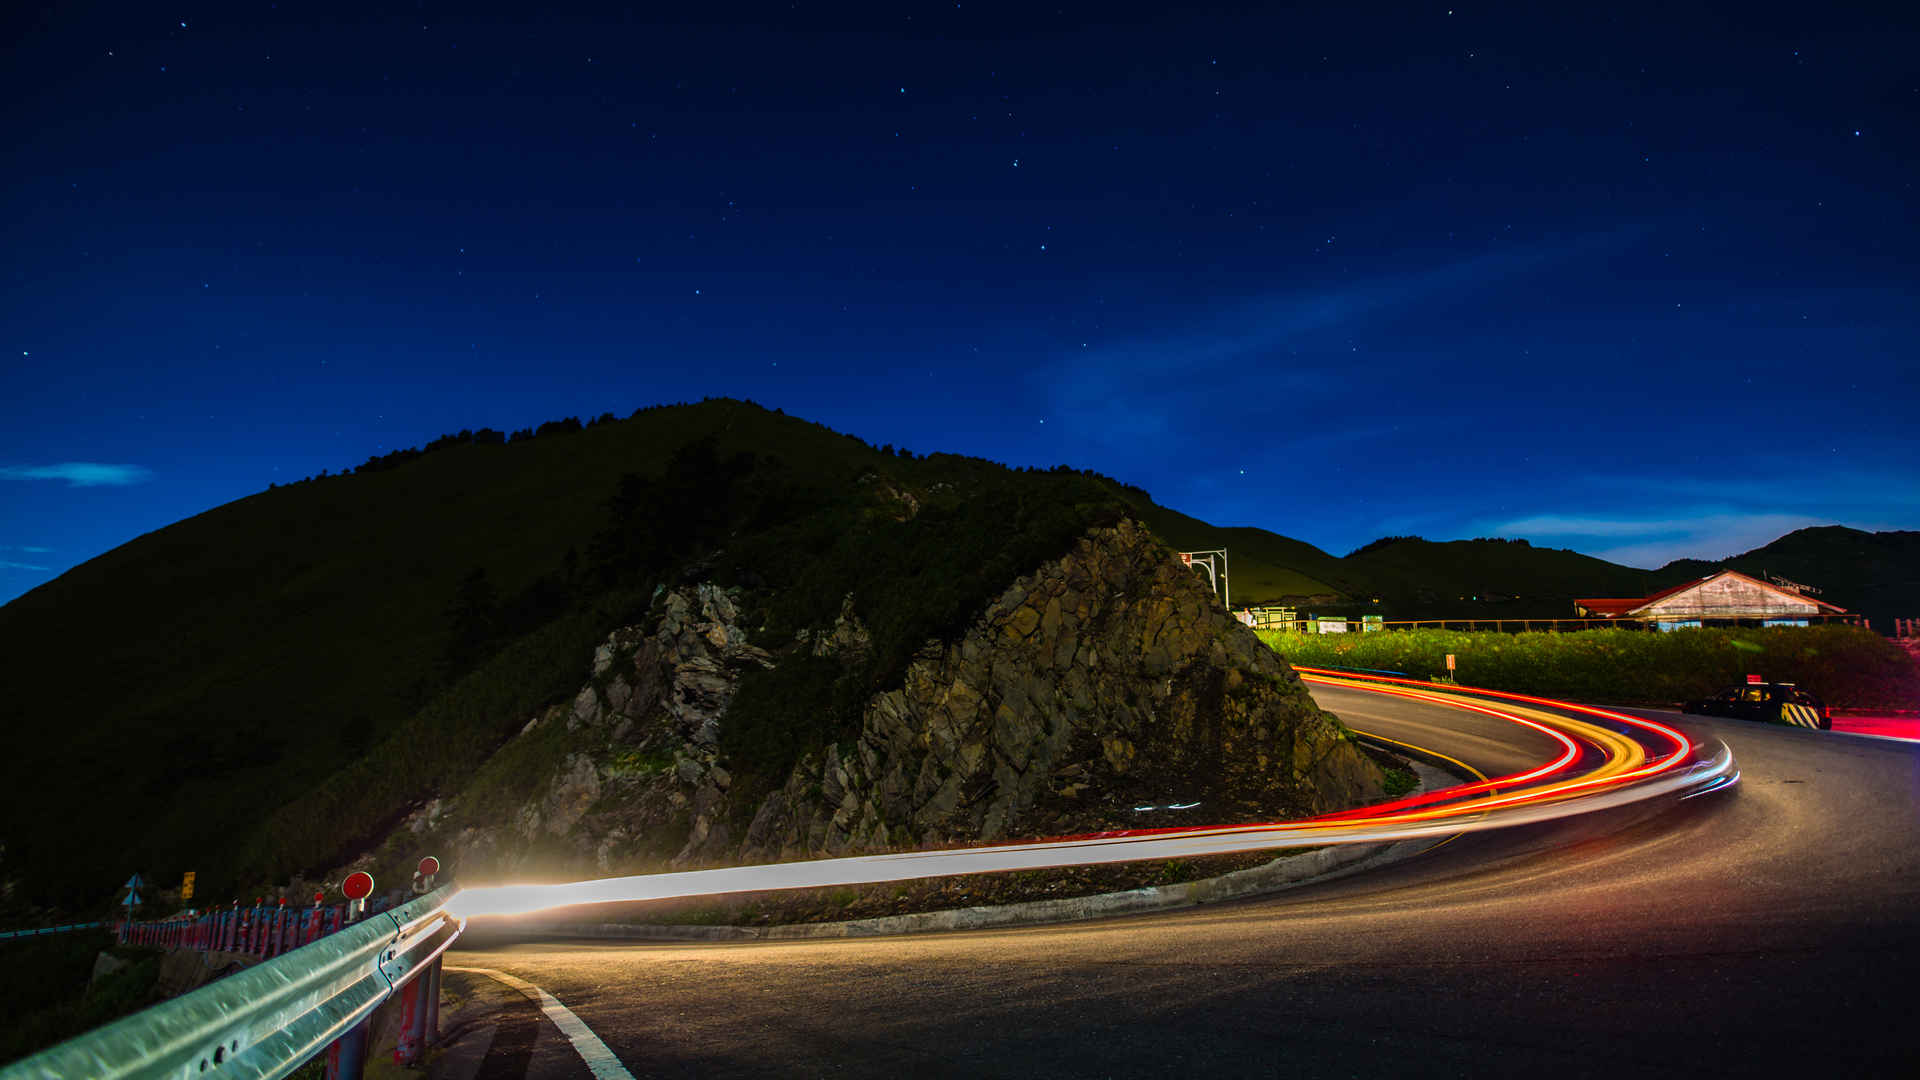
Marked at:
<point>1771,929</point>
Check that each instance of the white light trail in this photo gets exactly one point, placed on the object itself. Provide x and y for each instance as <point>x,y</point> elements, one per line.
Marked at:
<point>1713,768</point>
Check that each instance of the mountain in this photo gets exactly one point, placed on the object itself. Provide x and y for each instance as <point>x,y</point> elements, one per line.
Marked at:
<point>267,688</point>
<point>1876,574</point>
<point>167,697</point>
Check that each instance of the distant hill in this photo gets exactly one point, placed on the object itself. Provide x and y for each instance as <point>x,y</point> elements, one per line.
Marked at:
<point>1876,574</point>
<point>164,699</point>
<point>1263,566</point>
<point>1407,577</point>
<point>1418,578</point>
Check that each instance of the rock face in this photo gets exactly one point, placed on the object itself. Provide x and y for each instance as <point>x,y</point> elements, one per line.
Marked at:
<point>1108,688</point>
<point>638,775</point>
<point>1107,681</point>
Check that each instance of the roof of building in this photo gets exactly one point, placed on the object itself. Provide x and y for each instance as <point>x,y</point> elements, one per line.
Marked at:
<point>1611,607</point>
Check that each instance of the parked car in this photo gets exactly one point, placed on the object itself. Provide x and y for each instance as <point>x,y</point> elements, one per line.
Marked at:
<point>1775,703</point>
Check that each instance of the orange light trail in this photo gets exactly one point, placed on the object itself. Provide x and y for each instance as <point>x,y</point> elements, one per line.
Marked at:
<point>1538,794</point>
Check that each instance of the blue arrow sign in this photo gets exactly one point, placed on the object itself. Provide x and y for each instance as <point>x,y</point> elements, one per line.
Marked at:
<point>132,899</point>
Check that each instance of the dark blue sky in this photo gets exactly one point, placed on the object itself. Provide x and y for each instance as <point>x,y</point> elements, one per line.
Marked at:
<point>1637,281</point>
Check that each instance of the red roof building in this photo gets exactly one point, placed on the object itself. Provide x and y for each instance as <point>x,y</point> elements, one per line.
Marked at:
<point>1728,594</point>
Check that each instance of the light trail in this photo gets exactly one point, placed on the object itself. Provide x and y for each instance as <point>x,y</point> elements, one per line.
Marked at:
<point>1625,774</point>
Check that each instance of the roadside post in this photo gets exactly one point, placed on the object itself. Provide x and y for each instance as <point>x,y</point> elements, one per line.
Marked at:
<point>1450,667</point>
<point>433,1003</point>
<point>357,887</point>
<point>310,920</point>
<point>347,1057</point>
<point>424,874</point>
<point>420,997</point>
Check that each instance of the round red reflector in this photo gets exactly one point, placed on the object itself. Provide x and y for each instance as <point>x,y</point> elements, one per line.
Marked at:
<point>358,886</point>
<point>429,865</point>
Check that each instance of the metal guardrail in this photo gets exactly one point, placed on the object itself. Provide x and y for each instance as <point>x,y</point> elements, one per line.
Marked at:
<point>267,1021</point>
<point>42,931</point>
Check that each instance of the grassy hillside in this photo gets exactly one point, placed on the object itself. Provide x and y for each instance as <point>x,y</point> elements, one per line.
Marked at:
<point>1264,566</point>
<point>348,642</point>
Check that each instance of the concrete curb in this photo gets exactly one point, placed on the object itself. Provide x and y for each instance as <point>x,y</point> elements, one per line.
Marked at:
<point>1285,872</point>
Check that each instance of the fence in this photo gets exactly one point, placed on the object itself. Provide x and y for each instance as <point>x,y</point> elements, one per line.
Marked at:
<point>41,931</point>
<point>1287,621</point>
<point>261,930</point>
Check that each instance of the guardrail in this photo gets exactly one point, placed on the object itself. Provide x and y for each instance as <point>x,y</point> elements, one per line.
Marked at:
<point>272,1018</point>
<point>41,931</point>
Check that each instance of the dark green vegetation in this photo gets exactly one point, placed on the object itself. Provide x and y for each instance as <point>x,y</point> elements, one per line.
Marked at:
<point>259,690</point>
<point>1400,782</point>
<point>1845,666</point>
<point>46,998</point>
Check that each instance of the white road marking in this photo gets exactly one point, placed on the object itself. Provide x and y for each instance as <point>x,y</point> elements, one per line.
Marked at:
<point>600,1060</point>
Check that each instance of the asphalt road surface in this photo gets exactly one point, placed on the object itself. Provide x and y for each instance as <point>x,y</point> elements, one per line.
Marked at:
<point>1770,930</point>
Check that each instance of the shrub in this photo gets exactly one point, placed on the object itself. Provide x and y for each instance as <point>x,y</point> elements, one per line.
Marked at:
<point>1845,666</point>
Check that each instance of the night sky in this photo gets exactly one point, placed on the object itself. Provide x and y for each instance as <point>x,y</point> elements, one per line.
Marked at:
<point>1639,282</point>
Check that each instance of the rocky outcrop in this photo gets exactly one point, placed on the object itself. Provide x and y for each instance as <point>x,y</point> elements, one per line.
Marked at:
<point>637,775</point>
<point>1108,688</point>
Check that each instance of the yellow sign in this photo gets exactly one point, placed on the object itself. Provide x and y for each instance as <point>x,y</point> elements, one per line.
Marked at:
<point>186,887</point>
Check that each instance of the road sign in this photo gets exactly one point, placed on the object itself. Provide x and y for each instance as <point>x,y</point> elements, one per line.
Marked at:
<point>429,866</point>
<point>1449,661</point>
<point>186,887</point>
<point>358,886</point>
<point>132,900</point>
<point>135,882</point>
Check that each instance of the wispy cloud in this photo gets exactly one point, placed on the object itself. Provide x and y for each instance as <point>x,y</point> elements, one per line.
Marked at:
<point>1783,483</point>
<point>1655,540</point>
<point>1274,348</point>
<point>7,565</point>
<point>81,473</point>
